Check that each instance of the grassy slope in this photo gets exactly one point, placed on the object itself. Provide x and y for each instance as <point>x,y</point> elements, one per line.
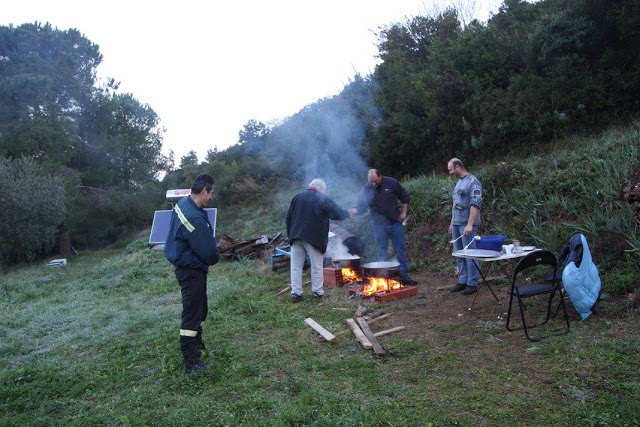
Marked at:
<point>96,343</point>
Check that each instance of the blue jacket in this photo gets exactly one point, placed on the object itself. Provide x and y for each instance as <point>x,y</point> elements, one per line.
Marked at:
<point>308,218</point>
<point>190,242</point>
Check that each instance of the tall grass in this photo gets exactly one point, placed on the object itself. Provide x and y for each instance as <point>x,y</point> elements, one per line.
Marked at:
<point>545,199</point>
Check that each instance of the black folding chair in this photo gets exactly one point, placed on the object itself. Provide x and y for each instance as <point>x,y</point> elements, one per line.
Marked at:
<point>521,291</point>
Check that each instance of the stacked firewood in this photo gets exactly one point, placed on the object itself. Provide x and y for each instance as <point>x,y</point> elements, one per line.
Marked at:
<point>256,247</point>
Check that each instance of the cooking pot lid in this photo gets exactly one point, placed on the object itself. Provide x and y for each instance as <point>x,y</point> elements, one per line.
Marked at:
<point>382,264</point>
<point>346,258</point>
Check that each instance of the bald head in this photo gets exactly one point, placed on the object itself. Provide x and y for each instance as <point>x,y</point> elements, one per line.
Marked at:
<point>456,168</point>
<point>374,177</point>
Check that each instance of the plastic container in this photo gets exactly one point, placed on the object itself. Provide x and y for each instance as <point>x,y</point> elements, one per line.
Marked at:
<point>492,243</point>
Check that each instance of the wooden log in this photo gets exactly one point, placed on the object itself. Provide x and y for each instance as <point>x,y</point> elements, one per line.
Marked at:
<point>380,351</point>
<point>319,329</point>
<point>382,316</point>
<point>288,288</point>
<point>388,331</point>
<point>359,335</point>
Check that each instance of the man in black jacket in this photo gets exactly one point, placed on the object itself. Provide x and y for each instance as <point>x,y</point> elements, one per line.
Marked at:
<point>192,248</point>
<point>381,196</point>
<point>308,230</point>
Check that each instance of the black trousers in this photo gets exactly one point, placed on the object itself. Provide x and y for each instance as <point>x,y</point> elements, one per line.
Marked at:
<point>193,284</point>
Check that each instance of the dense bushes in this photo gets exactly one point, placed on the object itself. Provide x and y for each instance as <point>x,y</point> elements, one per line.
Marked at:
<point>544,200</point>
<point>33,205</point>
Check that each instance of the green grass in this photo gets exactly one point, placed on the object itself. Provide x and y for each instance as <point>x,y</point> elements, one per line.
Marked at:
<point>96,343</point>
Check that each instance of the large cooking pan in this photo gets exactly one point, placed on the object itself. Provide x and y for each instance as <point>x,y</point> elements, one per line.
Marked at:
<point>346,262</point>
<point>382,269</point>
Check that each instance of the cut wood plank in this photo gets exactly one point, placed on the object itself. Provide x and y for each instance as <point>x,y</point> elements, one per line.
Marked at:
<point>319,329</point>
<point>388,331</point>
<point>380,351</point>
<point>359,335</point>
<point>382,316</point>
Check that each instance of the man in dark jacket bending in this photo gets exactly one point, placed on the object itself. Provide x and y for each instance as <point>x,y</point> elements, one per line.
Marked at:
<point>308,230</point>
<point>380,196</point>
<point>192,248</point>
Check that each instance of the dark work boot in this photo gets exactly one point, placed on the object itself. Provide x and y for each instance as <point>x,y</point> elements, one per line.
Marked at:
<point>469,290</point>
<point>192,362</point>
<point>201,349</point>
<point>459,287</point>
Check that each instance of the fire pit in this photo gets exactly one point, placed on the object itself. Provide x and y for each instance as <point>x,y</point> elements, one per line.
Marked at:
<point>378,288</point>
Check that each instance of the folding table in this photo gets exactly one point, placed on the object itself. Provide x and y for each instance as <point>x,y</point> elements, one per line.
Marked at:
<point>484,275</point>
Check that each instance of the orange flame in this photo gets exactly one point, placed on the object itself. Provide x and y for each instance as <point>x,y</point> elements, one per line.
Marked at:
<point>349,274</point>
<point>380,284</point>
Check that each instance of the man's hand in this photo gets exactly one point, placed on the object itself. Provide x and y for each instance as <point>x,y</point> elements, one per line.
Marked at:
<point>468,229</point>
<point>353,211</point>
<point>450,228</point>
<point>402,216</point>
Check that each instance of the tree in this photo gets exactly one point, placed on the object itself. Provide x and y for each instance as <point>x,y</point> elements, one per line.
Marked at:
<point>212,154</point>
<point>33,206</point>
<point>46,76</point>
<point>189,159</point>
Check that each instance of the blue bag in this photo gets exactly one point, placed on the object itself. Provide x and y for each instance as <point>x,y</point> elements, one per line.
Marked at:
<point>580,276</point>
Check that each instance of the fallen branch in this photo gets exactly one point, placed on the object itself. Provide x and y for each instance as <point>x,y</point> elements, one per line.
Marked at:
<point>288,288</point>
<point>319,329</point>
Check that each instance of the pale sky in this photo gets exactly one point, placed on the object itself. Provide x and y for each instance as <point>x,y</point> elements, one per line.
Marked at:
<point>206,68</point>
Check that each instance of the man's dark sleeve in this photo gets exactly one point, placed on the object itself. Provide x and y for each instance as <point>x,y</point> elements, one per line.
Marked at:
<point>402,194</point>
<point>203,243</point>
<point>289,217</point>
<point>334,211</point>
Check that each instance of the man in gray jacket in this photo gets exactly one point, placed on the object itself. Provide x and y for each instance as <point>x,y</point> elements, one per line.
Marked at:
<point>308,230</point>
<point>465,219</point>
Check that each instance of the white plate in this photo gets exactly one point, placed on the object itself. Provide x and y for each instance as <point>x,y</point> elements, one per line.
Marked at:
<point>527,248</point>
<point>479,253</point>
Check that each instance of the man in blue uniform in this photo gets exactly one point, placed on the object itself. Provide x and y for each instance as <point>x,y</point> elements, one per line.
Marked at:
<point>191,248</point>
<point>465,219</point>
<point>308,230</point>
<point>381,197</point>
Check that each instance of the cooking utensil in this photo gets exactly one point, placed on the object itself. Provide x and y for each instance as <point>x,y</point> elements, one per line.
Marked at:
<point>346,262</point>
<point>455,240</point>
<point>382,269</point>
<point>472,240</point>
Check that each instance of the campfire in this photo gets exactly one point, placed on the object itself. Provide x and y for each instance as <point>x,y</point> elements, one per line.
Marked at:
<point>380,288</point>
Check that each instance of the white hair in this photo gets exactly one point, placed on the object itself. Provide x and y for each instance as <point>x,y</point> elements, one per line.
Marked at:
<point>319,184</point>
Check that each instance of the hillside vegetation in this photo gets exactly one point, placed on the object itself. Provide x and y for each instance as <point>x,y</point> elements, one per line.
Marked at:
<point>577,185</point>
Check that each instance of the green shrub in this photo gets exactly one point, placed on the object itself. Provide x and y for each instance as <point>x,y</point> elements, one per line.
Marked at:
<point>33,206</point>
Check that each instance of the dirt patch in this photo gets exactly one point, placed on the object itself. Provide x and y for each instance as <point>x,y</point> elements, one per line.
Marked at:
<point>435,306</point>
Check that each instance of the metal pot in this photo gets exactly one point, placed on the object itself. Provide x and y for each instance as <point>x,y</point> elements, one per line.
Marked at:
<point>382,269</point>
<point>350,262</point>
